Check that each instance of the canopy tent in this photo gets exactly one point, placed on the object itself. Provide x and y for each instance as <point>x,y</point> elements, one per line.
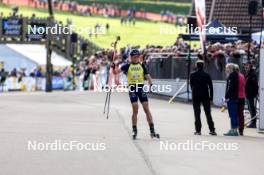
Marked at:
<point>37,53</point>
<point>256,36</point>
<point>216,32</point>
<point>221,29</point>
<point>12,59</point>
<point>28,57</point>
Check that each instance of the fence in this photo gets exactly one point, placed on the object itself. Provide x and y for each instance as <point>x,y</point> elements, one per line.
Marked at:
<point>168,66</point>
<point>29,84</point>
<point>95,82</point>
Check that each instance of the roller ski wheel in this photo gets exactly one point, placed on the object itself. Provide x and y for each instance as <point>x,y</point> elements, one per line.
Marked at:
<point>154,135</point>
<point>134,136</point>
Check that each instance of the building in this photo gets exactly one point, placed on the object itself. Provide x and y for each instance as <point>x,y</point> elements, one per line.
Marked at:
<point>232,13</point>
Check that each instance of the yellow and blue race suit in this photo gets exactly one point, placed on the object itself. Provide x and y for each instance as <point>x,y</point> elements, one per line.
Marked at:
<point>135,73</point>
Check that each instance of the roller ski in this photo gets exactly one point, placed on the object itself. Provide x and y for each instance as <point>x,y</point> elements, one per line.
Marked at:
<point>153,134</point>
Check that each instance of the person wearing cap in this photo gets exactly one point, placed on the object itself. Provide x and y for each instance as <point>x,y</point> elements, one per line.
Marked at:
<point>202,93</point>
<point>136,74</point>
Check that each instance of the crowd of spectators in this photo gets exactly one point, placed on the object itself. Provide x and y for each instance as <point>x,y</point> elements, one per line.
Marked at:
<point>232,52</point>
<point>219,53</point>
<point>98,64</point>
<point>110,10</point>
<point>170,17</point>
<point>222,53</point>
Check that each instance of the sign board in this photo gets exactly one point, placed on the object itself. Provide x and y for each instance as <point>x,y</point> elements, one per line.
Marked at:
<point>57,83</point>
<point>261,91</point>
<point>12,26</point>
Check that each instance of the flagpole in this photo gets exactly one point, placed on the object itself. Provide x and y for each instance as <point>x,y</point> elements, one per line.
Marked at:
<point>262,23</point>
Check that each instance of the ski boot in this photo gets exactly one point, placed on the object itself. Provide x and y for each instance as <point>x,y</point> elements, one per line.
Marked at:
<point>134,136</point>
<point>154,135</point>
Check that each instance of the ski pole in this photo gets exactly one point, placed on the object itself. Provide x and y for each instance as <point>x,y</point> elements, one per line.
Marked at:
<point>106,100</point>
<point>108,107</point>
<point>108,95</point>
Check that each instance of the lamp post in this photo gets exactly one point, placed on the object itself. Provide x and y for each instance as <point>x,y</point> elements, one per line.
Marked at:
<point>49,51</point>
<point>252,11</point>
<point>262,25</point>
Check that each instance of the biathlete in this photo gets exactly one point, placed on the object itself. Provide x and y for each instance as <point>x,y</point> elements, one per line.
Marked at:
<point>136,74</point>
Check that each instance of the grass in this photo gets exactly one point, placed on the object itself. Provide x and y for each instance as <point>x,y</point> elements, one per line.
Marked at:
<point>149,6</point>
<point>145,32</point>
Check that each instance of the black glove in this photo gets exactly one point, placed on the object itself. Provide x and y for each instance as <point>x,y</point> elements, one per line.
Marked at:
<point>150,88</point>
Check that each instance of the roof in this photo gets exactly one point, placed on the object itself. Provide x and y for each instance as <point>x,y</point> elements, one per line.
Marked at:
<point>13,59</point>
<point>37,54</point>
<point>232,14</point>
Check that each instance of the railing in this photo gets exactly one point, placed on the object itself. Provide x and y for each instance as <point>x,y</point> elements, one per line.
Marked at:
<point>170,66</point>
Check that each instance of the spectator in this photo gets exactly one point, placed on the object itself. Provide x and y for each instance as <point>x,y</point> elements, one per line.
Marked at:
<point>241,100</point>
<point>38,73</point>
<point>107,26</point>
<point>202,91</point>
<point>21,74</point>
<point>251,94</point>
<point>68,78</point>
<point>3,76</point>
<point>231,97</point>
<point>86,78</point>
<point>13,73</point>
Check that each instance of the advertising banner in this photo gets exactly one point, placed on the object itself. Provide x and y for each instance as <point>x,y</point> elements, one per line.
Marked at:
<point>12,26</point>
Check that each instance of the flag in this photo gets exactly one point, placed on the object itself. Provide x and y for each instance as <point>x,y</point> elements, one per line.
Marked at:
<point>201,21</point>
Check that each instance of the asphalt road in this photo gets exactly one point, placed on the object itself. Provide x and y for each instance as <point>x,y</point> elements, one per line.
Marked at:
<point>34,125</point>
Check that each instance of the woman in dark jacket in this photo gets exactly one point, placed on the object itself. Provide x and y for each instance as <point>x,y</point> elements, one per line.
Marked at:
<point>251,94</point>
<point>231,97</point>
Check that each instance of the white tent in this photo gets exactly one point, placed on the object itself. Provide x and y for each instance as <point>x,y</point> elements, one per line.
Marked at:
<point>37,54</point>
<point>13,59</point>
<point>256,36</point>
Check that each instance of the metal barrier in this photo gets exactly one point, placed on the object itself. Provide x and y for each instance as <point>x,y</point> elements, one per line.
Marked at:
<point>172,67</point>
